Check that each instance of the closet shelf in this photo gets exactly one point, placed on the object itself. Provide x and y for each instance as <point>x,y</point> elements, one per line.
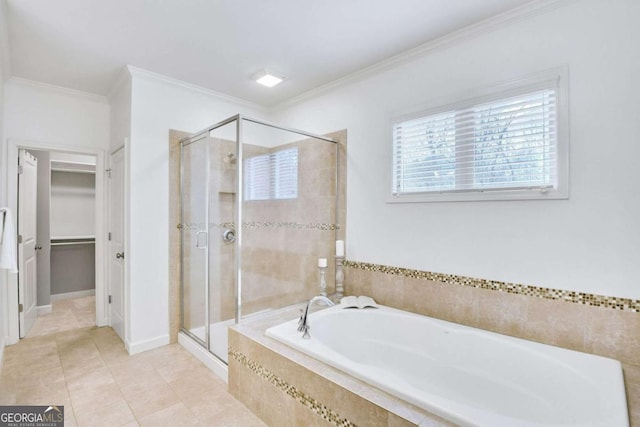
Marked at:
<point>73,237</point>
<point>60,166</point>
<point>79,240</point>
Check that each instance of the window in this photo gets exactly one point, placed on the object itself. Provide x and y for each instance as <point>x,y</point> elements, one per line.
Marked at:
<point>256,178</point>
<point>498,147</point>
<point>271,176</point>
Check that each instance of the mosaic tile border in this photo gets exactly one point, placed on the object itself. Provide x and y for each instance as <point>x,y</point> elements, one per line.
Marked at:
<point>294,225</point>
<point>616,303</point>
<point>266,224</point>
<point>306,400</point>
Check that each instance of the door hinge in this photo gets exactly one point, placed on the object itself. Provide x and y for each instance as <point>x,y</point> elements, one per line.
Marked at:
<point>109,299</point>
<point>19,238</point>
<point>109,235</point>
<point>20,308</point>
<point>108,171</point>
<point>20,169</point>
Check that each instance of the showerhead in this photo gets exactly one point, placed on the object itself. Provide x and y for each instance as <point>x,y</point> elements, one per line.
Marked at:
<point>230,158</point>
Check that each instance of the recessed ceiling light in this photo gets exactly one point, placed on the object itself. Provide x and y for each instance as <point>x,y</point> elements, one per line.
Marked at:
<point>267,78</point>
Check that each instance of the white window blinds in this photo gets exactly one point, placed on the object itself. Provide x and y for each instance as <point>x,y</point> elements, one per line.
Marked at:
<point>284,174</point>
<point>256,178</point>
<point>271,176</point>
<point>505,144</point>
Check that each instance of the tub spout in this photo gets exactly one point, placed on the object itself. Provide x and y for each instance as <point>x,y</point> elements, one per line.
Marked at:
<point>303,323</point>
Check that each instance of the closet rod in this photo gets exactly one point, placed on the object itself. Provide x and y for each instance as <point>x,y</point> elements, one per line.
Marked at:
<point>71,243</point>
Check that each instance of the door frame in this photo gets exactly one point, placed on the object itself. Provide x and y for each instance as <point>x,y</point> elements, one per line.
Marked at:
<point>125,229</point>
<point>13,330</point>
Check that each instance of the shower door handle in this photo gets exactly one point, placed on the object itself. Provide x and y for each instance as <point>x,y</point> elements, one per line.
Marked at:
<point>198,234</point>
<point>228,235</point>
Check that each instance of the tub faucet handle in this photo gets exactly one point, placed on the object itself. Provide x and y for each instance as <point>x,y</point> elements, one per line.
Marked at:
<point>305,332</point>
<point>303,323</point>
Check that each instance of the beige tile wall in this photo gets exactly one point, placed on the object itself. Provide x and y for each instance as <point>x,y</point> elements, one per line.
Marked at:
<point>599,330</point>
<point>285,238</point>
<point>174,232</point>
<point>222,199</point>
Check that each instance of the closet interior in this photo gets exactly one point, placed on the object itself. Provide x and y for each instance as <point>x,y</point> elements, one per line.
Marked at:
<point>65,227</point>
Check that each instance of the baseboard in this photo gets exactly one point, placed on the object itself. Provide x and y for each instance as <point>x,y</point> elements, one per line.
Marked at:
<point>44,309</point>
<point>76,294</point>
<point>210,361</point>
<point>146,345</point>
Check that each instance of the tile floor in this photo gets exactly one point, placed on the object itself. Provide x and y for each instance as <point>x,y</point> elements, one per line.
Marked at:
<point>65,315</point>
<point>89,372</point>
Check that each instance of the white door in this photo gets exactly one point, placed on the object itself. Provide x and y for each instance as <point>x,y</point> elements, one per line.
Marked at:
<point>27,223</point>
<point>116,243</point>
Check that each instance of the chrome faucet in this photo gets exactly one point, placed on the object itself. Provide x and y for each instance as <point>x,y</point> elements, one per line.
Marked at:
<point>303,323</point>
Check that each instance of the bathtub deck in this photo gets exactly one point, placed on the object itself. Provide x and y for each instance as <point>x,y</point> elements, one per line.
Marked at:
<point>287,383</point>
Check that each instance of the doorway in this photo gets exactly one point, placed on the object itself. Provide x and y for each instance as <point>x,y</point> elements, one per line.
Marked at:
<point>65,248</point>
<point>76,233</point>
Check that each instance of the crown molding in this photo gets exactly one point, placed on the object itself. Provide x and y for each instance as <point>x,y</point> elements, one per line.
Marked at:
<point>150,75</point>
<point>101,99</point>
<point>526,11</point>
<point>5,53</point>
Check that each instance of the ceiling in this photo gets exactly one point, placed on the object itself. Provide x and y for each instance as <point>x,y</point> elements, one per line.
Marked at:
<point>220,44</point>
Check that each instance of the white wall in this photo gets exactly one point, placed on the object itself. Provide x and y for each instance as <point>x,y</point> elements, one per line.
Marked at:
<point>120,112</point>
<point>73,204</point>
<point>73,197</point>
<point>157,106</point>
<point>588,243</point>
<point>38,112</point>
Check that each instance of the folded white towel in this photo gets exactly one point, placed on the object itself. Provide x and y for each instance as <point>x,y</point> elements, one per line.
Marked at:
<point>8,254</point>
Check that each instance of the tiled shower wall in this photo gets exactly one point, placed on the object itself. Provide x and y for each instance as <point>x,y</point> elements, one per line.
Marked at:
<point>174,233</point>
<point>222,199</point>
<point>282,239</point>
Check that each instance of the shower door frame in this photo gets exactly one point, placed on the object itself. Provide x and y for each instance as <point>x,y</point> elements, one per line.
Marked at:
<point>205,133</point>
<point>192,140</point>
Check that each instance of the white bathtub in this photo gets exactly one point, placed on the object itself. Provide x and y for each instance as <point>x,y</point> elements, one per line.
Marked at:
<point>466,375</point>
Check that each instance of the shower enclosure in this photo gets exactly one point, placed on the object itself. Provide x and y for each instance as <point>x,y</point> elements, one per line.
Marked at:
<point>259,207</point>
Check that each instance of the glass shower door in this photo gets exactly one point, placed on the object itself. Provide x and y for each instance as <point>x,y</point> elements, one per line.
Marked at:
<point>195,247</point>
<point>222,235</point>
<point>259,208</point>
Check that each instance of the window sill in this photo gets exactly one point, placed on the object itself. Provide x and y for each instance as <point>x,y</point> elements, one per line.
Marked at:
<point>480,196</point>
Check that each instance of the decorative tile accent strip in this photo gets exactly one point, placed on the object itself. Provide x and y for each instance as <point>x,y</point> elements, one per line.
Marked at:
<point>265,224</point>
<point>306,400</point>
<point>511,288</point>
<point>294,225</point>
